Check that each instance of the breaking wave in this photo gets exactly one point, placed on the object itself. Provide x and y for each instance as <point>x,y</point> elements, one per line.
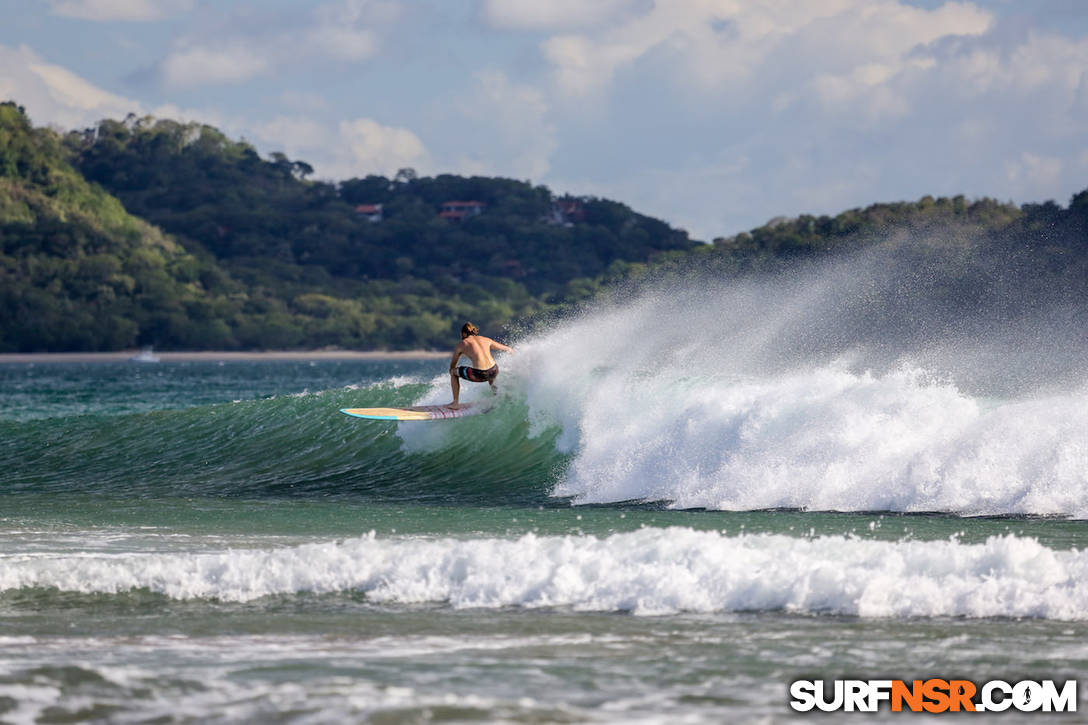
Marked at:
<point>648,571</point>
<point>831,389</point>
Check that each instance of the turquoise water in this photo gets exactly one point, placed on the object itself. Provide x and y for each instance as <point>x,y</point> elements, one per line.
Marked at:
<point>205,542</point>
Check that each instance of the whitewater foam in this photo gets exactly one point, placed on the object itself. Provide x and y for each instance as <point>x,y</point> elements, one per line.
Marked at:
<point>752,397</point>
<point>831,439</point>
<point>649,571</point>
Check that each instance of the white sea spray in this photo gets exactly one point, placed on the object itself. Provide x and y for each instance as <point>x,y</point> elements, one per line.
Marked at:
<point>792,392</point>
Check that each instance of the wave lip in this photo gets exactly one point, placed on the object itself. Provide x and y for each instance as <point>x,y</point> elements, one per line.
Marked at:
<point>648,572</point>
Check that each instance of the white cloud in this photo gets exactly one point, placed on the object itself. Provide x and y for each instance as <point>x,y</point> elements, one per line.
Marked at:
<point>715,44</point>
<point>127,10</point>
<point>53,94</point>
<point>835,104</point>
<point>71,91</point>
<point>497,127</point>
<point>347,149</point>
<point>863,92</point>
<point>1034,171</point>
<point>200,65</point>
<point>551,14</point>
<point>378,149</point>
<point>343,31</point>
<point>1039,62</point>
<point>352,44</point>
<point>996,115</point>
<point>231,126</point>
<point>358,12</point>
<point>513,134</point>
<point>346,29</point>
<point>294,134</point>
<point>582,68</point>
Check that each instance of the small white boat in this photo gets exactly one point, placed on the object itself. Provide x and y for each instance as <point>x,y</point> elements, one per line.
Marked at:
<point>145,356</point>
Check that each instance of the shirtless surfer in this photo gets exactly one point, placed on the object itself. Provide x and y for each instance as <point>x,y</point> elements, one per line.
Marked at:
<point>478,349</point>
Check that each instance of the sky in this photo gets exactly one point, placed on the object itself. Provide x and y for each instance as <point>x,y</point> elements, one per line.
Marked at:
<point>714,115</point>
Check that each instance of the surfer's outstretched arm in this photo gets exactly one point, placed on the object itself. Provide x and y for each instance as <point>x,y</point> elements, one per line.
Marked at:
<point>499,346</point>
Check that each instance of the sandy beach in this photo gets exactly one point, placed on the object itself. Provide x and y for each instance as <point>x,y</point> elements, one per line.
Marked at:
<point>92,357</point>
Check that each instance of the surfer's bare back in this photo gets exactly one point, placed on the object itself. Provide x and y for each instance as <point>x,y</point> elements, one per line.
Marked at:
<point>478,349</point>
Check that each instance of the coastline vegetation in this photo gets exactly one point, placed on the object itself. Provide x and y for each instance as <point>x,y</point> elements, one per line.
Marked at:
<point>153,232</point>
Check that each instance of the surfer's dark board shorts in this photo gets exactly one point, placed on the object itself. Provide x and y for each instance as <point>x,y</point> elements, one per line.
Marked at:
<point>475,375</point>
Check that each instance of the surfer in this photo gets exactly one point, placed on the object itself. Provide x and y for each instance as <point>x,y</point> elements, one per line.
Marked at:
<point>478,349</point>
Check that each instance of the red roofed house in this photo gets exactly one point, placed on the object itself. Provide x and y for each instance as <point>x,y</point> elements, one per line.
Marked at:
<point>459,210</point>
<point>371,212</point>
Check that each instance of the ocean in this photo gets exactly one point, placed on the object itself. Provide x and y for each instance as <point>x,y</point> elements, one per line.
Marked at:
<point>665,518</point>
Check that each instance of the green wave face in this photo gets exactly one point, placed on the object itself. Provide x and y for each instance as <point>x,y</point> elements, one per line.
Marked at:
<point>289,446</point>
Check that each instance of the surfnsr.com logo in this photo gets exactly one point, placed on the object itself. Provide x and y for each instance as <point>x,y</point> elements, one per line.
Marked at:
<point>933,696</point>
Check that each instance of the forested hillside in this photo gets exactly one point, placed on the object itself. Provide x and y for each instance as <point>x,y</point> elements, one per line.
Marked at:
<point>197,184</point>
<point>243,252</point>
<point>152,232</point>
<point>79,273</point>
<point>968,252</point>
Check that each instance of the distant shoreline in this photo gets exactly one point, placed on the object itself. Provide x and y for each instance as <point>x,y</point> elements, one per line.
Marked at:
<point>233,356</point>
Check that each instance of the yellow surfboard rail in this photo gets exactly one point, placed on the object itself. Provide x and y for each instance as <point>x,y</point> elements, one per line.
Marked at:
<point>418,412</point>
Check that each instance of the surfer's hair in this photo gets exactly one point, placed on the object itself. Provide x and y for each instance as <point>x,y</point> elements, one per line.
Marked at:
<point>469,329</point>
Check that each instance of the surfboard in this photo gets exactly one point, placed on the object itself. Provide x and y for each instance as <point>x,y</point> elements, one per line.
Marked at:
<point>419,412</point>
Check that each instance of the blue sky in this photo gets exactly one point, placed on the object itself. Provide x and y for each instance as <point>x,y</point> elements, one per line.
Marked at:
<point>715,115</point>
